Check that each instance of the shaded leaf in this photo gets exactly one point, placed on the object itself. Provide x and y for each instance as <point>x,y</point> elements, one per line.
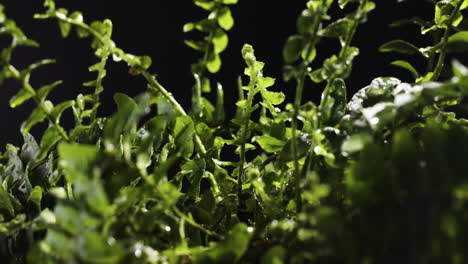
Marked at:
<point>399,46</point>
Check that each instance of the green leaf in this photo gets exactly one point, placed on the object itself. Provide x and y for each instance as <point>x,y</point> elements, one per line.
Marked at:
<point>5,202</point>
<point>270,144</point>
<point>443,13</point>
<point>275,255</point>
<point>37,116</point>
<point>46,89</point>
<point>292,49</point>
<point>464,5</point>
<point>457,42</point>
<point>265,82</point>
<point>333,103</point>
<point>170,193</point>
<point>196,45</point>
<point>225,19</point>
<point>67,218</point>
<point>36,196</point>
<point>399,46</point>
<point>274,98</point>
<point>125,120</point>
<point>145,62</point>
<point>188,27</point>
<point>220,41</point>
<point>337,29</point>
<point>229,250</point>
<point>93,247</point>
<point>459,70</point>
<point>243,104</point>
<point>343,3</point>
<point>30,149</point>
<point>22,96</point>
<point>214,63</point>
<point>307,55</point>
<point>407,66</point>
<point>355,143</point>
<point>183,135</point>
<point>205,4</point>
<point>305,22</point>
<point>50,137</point>
<point>76,158</point>
<point>76,17</point>
<point>304,143</point>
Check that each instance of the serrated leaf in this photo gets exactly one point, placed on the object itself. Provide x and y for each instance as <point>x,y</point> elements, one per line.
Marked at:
<point>265,82</point>
<point>355,143</point>
<point>57,111</point>
<point>270,144</point>
<point>274,98</point>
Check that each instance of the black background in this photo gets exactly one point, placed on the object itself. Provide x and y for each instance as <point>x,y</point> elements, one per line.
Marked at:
<point>155,28</point>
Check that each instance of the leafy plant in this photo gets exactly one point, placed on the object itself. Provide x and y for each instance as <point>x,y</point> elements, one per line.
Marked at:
<point>378,178</point>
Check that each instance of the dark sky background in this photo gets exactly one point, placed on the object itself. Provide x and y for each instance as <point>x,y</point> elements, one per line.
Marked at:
<point>155,28</point>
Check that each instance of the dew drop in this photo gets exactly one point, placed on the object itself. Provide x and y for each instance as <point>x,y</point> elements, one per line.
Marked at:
<point>138,253</point>
<point>138,250</point>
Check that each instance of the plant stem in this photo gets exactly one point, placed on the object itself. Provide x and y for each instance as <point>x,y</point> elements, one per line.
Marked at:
<point>27,86</point>
<point>150,78</point>
<point>191,222</point>
<point>244,130</point>
<point>344,49</point>
<point>441,61</point>
<point>177,107</point>
<point>297,104</point>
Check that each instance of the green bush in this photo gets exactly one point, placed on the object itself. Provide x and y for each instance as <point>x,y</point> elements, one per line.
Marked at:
<point>378,178</point>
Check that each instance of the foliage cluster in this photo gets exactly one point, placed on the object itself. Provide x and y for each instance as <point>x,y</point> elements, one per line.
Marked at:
<point>376,178</point>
